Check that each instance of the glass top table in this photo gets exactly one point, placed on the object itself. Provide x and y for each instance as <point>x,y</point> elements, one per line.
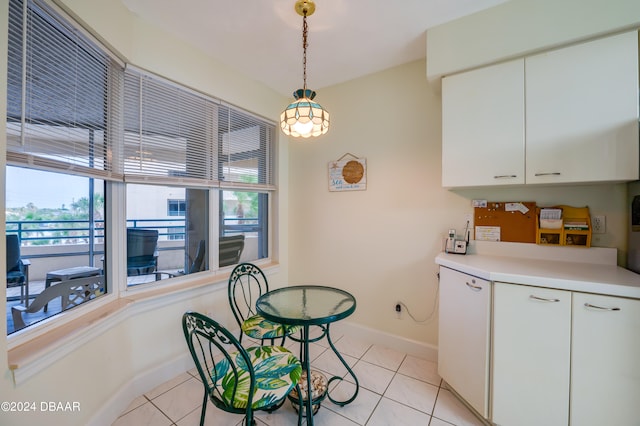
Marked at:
<point>306,306</point>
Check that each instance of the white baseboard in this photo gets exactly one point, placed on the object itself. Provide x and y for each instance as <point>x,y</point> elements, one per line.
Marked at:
<point>138,385</point>
<point>402,344</point>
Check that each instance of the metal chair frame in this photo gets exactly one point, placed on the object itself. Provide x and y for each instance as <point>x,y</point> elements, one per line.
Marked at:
<point>208,343</point>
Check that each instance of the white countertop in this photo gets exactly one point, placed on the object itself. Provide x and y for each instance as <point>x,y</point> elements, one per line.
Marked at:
<point>552,269</point>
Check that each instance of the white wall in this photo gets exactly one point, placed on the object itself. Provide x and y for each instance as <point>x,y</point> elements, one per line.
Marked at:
<point>148,342</point>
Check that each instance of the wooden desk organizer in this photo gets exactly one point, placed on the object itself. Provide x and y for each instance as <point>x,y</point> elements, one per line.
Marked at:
<point>566,235</point>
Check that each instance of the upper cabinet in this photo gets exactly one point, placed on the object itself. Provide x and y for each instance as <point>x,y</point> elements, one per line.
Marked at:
<point>564,116</point>
<point>483,126</point>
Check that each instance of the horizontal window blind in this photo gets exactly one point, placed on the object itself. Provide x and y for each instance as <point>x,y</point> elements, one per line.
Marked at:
<point>175,135</point>
<point>170,132</point>
<point>63,95</point>
<point>246,151</point>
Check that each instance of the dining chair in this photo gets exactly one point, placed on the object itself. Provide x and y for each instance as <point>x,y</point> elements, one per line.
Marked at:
<point>236,379</point>
<point>247,283</point>
<point>17,268</point>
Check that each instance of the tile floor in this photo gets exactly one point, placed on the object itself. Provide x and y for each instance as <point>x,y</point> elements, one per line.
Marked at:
<point>395,389</point>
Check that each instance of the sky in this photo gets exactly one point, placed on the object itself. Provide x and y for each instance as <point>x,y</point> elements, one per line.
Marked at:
<point>44,189</point>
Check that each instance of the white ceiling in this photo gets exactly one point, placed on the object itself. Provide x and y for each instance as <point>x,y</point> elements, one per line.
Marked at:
<point>347,38</point>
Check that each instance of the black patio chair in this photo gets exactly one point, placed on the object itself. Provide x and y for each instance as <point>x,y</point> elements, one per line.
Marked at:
<point>142,251</point>
<point>17,269</point>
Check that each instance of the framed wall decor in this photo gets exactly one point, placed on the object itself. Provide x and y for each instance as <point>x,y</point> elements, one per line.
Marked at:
<point>348,174</point>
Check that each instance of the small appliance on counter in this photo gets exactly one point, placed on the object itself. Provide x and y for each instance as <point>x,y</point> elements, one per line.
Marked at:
<point>454,244</point>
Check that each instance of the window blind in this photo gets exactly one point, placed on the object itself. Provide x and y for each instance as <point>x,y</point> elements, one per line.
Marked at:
<point>176,135</point>
<point>246,151</point>
<point>63,95</point>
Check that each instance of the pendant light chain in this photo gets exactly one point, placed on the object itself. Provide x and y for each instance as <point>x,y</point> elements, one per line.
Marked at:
<point>305,29</point>
<point>304,117</point>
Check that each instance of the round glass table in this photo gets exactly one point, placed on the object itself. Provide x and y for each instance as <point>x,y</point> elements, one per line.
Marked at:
<point>306,306</point>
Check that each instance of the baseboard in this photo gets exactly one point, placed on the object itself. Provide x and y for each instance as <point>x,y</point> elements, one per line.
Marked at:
<point>138,385</point>
<point>371,335</point>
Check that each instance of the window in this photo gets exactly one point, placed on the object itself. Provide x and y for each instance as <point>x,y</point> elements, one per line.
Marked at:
<point>62,107</point>
<point>182,140</point>
<point>176,207</point>
<point>178,250</point>
<point>78,120</point>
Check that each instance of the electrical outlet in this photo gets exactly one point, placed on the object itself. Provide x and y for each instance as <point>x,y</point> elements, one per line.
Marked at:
<point>398,309</point>
<point>598,224</point>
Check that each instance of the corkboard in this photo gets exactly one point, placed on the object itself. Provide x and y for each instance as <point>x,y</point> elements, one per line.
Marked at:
<point>514,226</point>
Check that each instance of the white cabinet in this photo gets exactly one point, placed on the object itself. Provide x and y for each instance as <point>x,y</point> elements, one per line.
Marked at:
<point>582,112</point>
<point>464,327</point>
<point>483,126</point>
<point>605,361</point>
<point>531,355</point>
<point>568,115</point>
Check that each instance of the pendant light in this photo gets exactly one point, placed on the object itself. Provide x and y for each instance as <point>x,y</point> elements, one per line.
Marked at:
<point>304,117</point>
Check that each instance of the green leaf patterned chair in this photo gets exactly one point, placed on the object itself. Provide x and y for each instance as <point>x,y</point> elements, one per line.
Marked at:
<point>247,283</point>
<point>239,380</point>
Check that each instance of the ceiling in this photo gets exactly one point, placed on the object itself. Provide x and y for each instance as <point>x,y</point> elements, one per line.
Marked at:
<point>347,38</point>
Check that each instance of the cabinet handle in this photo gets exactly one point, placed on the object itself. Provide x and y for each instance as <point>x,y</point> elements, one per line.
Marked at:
<point>505,176</point>
<point>543,299</point>
<point>548,174</point>
<point>601,308</point>
<point>473,287</point>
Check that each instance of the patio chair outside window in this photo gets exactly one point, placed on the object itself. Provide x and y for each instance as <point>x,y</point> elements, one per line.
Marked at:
<point>142,251</point>
<point>17,268</point>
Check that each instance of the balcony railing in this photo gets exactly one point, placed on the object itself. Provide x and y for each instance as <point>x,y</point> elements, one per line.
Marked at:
<point>51,240</point>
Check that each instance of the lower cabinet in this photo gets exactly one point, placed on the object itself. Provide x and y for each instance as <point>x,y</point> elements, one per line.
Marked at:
<point>605,361</point>
<point>463,342</point>
<point>531,355</point>
<point>524,355</point>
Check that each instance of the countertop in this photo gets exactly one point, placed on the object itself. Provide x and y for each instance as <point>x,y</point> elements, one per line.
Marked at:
<point>578,270</point>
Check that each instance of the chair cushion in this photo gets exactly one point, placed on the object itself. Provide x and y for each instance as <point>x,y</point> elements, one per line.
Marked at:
<point>258,327</point>
<point>277,371</point>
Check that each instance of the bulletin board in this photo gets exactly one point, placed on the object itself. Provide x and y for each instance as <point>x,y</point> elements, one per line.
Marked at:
<point>509,219</point>
<point>348,174</point>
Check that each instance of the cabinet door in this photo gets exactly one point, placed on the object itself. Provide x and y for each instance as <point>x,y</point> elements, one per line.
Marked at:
<point>582,112</point>
<point>483,126</point>
<point>531,355</point>
<point>605,361</point>
<point>463,342</point>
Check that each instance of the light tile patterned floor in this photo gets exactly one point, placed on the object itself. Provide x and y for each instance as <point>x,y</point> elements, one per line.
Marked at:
<point>395,389</point>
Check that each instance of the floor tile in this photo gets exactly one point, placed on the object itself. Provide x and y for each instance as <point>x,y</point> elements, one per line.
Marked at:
<point>358,410</point>
<point>329,362</point>
<point>146,414</point>
<point>412,392</point>
<point>450,409</point>
<point>286,415</point>
<point>372,377</point>
<point>326,417</point>
<point>384,357</point>
<point>181,400</point>
<point>213,417</point>
<point>166,386</point>
<point>420,369</point>
<point>389,412</point>
<point>136,403</point>
<point>352,346</point>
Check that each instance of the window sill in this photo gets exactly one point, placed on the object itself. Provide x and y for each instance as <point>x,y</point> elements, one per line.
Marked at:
<point>36,354</point>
